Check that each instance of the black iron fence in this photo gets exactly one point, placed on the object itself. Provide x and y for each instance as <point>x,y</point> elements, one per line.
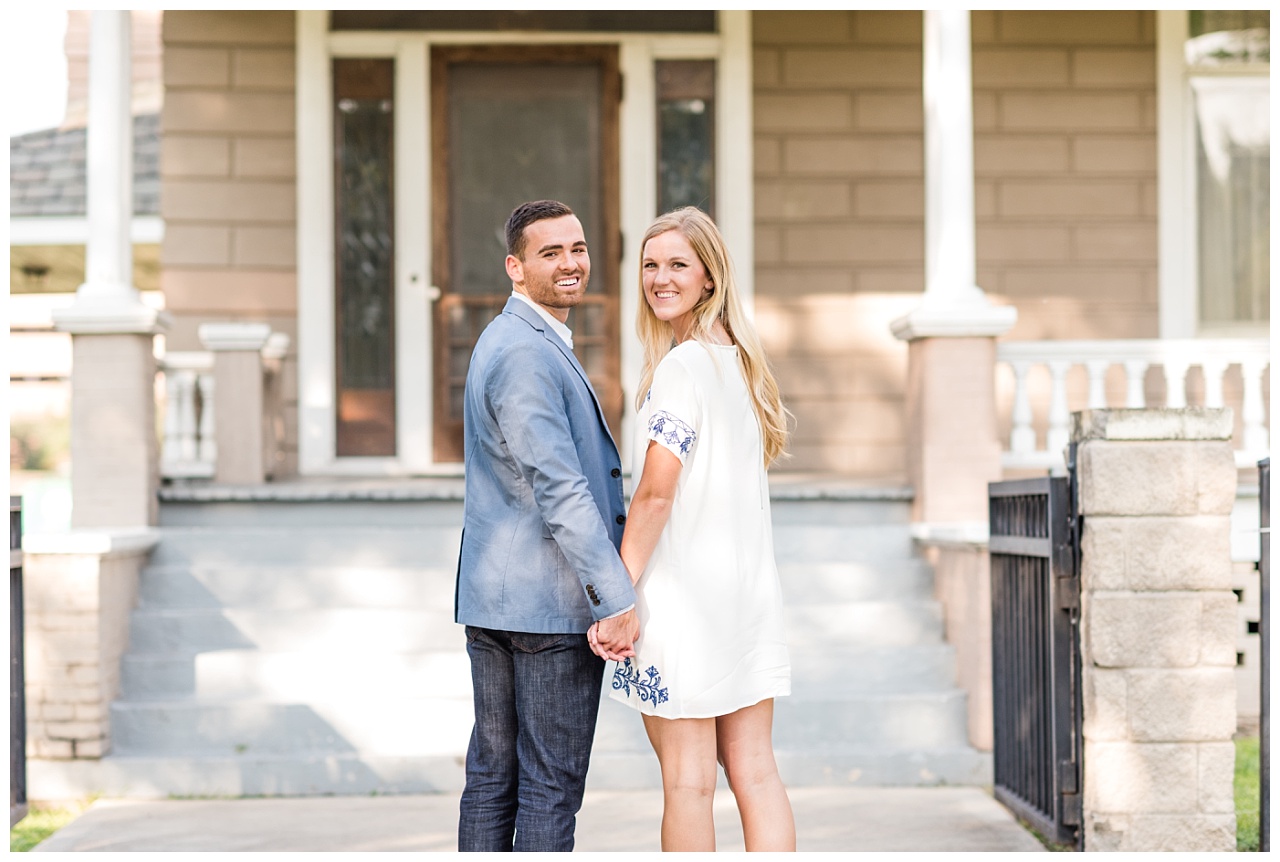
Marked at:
<point>1264,634</point>
<point>17,677</point>
<point>1035,653</point>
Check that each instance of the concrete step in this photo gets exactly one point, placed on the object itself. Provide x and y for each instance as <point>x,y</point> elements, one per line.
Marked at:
<point>325,773</point>
<point>297,587</point>
<point>181,632</point>
<point>419,724</point>
<point>319,773</point>
<point>293,677</point>
<point>864,624</point>
<point>307,646</point>
<point>425,545</point>
<point>366,631</point>
<point>855,581</point>
<point>818,672</point>
<point>850,766</point>
<point>910,720</point>
<point>390,725</point>
<point>303,512</point>
<point>838,543</point>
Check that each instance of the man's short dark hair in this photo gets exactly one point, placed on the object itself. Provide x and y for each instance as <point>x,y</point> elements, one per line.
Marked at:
<point>526,214</point>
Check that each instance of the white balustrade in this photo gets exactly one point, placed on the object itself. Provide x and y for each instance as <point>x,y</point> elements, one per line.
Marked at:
<point>188,449</point>
<point>1175,357</point>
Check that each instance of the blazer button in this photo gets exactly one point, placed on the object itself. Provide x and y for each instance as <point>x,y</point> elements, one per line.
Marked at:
<point>615,472</point>
<point>621,519</point>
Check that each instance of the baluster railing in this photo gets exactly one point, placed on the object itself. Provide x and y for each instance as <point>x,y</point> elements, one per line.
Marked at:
<point>1174,357</point>
<point>188,449</point>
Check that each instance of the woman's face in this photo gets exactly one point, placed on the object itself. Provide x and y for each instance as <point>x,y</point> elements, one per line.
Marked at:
<point>674,280</point>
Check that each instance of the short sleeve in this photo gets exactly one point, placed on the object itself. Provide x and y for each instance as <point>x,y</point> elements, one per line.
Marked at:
<point>674,412</point>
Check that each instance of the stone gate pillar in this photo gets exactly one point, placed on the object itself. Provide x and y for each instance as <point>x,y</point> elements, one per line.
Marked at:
<point>1158,628</point>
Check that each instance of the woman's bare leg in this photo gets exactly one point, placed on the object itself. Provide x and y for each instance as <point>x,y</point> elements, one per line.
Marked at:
<point>686,749</point>
<point>745,746</point>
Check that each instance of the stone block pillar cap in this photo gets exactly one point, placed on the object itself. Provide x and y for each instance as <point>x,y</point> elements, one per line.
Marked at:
<point>1187,423</point>
<point>234,336</point>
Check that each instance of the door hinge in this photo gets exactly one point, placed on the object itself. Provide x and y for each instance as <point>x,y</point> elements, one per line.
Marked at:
<point>1071,809</point>
<point>1068,776</point>
<point>1068,589</point>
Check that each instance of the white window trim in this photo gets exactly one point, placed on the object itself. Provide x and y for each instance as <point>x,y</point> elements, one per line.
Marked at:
<point>1178,240</point>
<point>316,46</point>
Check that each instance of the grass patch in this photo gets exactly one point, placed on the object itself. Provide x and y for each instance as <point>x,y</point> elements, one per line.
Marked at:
<point>38,825</point>
<point>1247,793</point>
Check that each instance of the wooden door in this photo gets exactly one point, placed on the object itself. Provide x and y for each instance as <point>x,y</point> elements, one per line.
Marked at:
<point>513,124</point>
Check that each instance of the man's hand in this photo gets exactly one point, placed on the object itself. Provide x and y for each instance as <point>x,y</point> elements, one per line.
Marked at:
<point>614,639</point>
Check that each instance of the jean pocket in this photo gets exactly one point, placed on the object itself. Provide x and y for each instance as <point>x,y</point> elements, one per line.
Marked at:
<point>532,643</point>
<point>472,633</point>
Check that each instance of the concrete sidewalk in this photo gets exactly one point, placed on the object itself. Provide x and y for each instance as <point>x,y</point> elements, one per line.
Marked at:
<point>827,819</point>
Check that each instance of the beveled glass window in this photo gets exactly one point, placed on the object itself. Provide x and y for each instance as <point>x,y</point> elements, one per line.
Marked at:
<point>364,270</point>
<point>1228,56</point>
<point>686,134</point>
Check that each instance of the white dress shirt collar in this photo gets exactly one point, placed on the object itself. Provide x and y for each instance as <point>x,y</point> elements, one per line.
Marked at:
<point>560,329</point>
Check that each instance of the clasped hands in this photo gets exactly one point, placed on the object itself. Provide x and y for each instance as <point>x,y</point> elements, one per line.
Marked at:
<point>614,639</point>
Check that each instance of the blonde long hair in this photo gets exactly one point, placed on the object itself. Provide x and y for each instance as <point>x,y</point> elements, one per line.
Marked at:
<point>721,303</point>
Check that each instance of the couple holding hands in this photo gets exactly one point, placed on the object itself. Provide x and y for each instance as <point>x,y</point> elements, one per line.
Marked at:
<point>680,592</point>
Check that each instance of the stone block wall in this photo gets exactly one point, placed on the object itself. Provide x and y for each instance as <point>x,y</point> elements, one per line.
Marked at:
<point>229,180</point>
<point>1158,629</point>
<point>1065,162</point>
<point>78,594</point>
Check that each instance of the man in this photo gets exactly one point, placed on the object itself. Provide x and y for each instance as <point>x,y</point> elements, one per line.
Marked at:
<point>539,564</point>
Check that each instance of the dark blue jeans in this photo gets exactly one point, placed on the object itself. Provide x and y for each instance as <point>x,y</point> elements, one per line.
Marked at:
<point>536,701</point>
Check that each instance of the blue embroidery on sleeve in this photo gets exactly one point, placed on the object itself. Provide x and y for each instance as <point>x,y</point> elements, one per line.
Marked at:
<point>672,430</point>
<point>648,687</point>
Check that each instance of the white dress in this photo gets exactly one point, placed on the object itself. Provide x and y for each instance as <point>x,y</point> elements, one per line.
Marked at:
<point>710,607</point>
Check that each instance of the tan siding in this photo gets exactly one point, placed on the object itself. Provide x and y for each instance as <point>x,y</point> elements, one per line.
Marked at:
<point>808,28</point>
<point>194,156</point>
<point>1065,198</point>
<point>1060,27</point>
<point>229,194</point>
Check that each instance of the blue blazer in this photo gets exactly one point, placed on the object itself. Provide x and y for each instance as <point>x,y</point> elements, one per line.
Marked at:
<point>543,511</point>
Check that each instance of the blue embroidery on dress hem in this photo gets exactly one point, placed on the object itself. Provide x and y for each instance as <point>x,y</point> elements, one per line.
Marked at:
<point>674,431</point>
<point>627,675</point>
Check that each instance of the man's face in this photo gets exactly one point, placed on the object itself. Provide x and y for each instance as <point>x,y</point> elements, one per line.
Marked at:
<point>554,267</point>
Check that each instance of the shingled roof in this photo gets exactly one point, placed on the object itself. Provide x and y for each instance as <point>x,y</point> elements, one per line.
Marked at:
<point>47,177</point>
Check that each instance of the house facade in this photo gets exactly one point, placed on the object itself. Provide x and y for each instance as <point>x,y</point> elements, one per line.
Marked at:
<point>1117,194</point>
<point>1094,138</point>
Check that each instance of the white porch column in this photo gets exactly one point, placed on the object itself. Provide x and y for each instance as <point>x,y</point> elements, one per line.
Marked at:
<point>953,303</point>
<point>953,447</point>
<point>113,438</point>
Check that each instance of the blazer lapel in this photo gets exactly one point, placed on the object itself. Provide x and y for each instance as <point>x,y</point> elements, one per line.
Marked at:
<point>527,314</point>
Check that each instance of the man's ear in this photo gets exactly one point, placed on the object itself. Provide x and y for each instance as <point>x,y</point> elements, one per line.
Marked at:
<point>515,269</point>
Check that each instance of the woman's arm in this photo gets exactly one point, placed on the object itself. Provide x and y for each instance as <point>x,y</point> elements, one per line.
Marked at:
<point>650,508</point>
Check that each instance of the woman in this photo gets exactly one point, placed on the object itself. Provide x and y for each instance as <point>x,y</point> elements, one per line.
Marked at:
<point>698,543</point>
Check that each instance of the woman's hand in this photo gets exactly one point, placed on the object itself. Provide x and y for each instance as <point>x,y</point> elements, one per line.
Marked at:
<point>614,639</point>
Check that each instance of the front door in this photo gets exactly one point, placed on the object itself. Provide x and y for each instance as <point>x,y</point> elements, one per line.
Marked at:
<point>514,124</point>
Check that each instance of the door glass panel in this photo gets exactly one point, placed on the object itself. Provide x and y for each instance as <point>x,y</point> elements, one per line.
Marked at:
<point>365,319</point>
<point>518,133</point>
<point>686,142</point>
